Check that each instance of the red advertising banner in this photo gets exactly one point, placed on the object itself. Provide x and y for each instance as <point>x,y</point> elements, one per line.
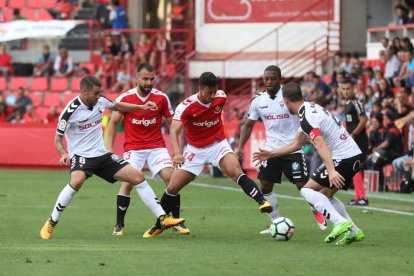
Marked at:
<point>265,11</point>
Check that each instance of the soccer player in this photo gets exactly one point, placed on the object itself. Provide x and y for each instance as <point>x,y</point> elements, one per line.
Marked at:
<point>281,128</point>
<point>81,123</point>
<point>143,139</point>
<point>356,121</point>
<point>340,154</point>
<point>200,114</point>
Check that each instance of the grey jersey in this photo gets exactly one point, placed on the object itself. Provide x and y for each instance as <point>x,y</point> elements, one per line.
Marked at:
<point>82,127</point>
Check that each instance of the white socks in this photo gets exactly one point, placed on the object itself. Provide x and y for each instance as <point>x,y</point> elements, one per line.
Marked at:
<point>149,198</point>
<point>340,207</point>
<point>65,197</point>
<point>272,199</point>
<point>322,204</point>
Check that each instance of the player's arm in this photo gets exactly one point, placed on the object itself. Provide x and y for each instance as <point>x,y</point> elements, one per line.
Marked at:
<point>168,120</point>
<point>127,107</point>
<point>295,145</point>
<point>246,131</point>
<point>64,159</point>
<point>175,131</point>
<point>335,178</point>
<point>363,119</point>
<point>115,119</point>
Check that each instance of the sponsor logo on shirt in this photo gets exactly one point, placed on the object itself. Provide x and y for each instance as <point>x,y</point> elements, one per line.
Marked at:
<point>218,108</point>
<point>276,116</point>
<point>344,136</point>
<point>144,122</point>
<point>207,123</point>
<point>261,107</point>
<point>89,125</point>
<point>62,125</point>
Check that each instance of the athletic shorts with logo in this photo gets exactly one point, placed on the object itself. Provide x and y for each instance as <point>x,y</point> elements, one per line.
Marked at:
<point>346,167</point>
<point>157,159</point>
<point>104,166</point>
<point>197,158</point>
<point>292,165</point>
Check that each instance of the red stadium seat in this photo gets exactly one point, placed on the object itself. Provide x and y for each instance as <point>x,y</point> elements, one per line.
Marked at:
<point>59,85</point>
<point>42,111</point>
<point>3,84</point>
<point>44,15</point>
<point>111,96</point>
<point>68,97</point>
<point>29,13</point>
<point>50,3</point>
<point>35,4</point>
<point>39,84</point>
<point>52,99</point>
<point>8,14</point>
<point>17,4</point>
<point>36,99</point>
<point>17,82</point>
<point>76,84</point>
<point>2,4</point>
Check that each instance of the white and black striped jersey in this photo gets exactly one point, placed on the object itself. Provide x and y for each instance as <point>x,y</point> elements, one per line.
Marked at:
<point>317,121</point>
<point>82,127</point>
<point>281,126</point>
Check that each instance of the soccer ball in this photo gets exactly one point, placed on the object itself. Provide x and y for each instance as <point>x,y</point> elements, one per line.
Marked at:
<point>282,229</point>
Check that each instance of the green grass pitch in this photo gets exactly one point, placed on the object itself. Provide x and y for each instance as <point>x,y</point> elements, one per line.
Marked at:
<point>224,240</point>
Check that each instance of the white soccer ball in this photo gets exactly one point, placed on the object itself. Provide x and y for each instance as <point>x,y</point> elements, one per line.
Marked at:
<point>282,229</point>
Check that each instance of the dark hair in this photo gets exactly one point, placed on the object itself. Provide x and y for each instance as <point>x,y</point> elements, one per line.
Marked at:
<point>16,12</point>
<point>208,79</point>
<point>145,66</point>
<point>274,68</point>
<point>347,80</point>
<point>89,81</point>
<point>115,2</point>
<point>292,92</point>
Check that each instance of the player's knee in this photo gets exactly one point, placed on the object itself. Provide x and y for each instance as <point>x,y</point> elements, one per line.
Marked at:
<point>266,187</point>
<point>172,190</point>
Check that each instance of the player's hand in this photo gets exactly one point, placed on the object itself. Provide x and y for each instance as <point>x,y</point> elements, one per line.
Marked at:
<point>336,180</point>
<point>260,156</point>
<point>64,159</point>
<point>239,153</point>
<point>178,160</point>
<point>150,106</point>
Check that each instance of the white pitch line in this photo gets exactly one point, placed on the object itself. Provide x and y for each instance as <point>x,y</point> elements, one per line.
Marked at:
<point>205,185</point>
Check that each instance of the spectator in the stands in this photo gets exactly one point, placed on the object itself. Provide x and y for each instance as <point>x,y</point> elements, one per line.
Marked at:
<point>359,89</point>
<point>396,45</point>
<point>31,115</point>
<point>45,61</point>
<point>384,89</point>
<point>406,44</point>
<point>336,66</point>
<point>111,46</point>
<point>3,109</point>
<point>370,76</point>
<point>356,66</point>
<point>101,13</point>
<point>142,49</point>
<point>401,104</point>
<point>52,116</point>
<point>307,86</point>
<point>321,87</point>
<point>122,79</point>
<point>389,148</point>
<point>20,105</point>
<point>159,52</point>
<point>405,76</point>
<point>63,66</point>
<point>118,18</point>
<point>126,45</point>
<point>106,70</point>
<point>392,66</point>
<point>385,42</point>
<point>333,99</point>
<point>17,15</point>
<point>6,67</point>
<point>401,13</point>
<point>62,10</point>
<point>370,99</point>
<point>346,65</point>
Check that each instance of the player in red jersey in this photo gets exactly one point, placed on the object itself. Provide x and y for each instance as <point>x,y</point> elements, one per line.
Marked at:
<point>200,114</point>
<point>143,139</point>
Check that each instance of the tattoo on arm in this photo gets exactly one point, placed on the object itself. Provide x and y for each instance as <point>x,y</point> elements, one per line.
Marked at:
<point>59,144</point>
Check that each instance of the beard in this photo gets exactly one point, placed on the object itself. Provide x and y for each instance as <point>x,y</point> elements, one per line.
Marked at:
<point>145,90</point>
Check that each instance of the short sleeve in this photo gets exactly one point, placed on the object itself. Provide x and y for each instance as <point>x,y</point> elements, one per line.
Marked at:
<point>309,123</point>
<point>253,114</point>
<point>167,110</point>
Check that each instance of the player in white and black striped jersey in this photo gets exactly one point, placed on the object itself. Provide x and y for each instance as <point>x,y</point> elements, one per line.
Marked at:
<point>341,156</point>
<point>281,128</point>
<point>81,124</point>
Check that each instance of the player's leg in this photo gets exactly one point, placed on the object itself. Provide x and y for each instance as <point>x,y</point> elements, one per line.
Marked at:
<point>123,198</point>
<point>296,170</point>
<point>230,166</point>
<point>77,178</point>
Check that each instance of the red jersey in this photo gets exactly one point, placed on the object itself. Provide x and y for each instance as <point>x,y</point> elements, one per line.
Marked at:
<point>143,127</point>
<point>203,123</point>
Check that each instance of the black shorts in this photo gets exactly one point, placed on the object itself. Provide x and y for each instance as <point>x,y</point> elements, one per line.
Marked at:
<point>292,165</point>
<point>105,166</point>
<point>346,167</point>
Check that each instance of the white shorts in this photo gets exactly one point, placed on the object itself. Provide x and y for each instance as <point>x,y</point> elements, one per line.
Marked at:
<point>197,158</point>
<point>157,159</point>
